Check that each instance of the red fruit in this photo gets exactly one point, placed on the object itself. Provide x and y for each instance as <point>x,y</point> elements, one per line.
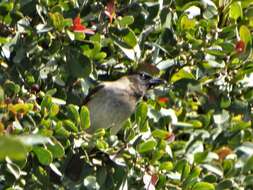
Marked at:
<point>163,100</point>
<point>154,179</point>
<point>240,46</point>
<point>77,21</point>
<point>78,27</point>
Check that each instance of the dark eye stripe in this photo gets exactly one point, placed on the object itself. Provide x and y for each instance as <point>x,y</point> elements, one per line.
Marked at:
<point>145,76</point>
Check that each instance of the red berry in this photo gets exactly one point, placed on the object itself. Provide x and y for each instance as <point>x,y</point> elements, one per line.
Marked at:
<point>240,46</point>
<point>154,179</point>
<point>163,100</point>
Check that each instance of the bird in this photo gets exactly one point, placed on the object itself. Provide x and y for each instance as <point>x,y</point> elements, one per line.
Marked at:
<point>111,103</point>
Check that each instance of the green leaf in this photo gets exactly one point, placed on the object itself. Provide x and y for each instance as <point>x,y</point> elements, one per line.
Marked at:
<point>147,146</point>
<point>141,113</point>
<point>168,166</point>
<point>69,125</point>
<point>85,117</point>
<point>56,149</point>
<point>44,156</point>
<point>61,131</point>
<point>248,165</point>
<point>72,112</point>
<point>126,20</point>
<point>11,88</point>
<point>203,186</point>
<point>158,133</point>
<point>54,110</point>
<point>248,181</point>
<point>1,94</point>
<point>58,101</point>
<point>226,184</point>
<point>182,74</point>
<point>78,64</point>
<point>13,169</point>
<point>235,10</point>
<point>199,157</point>
<point>20,107</point>
<point>12,148</point>
<point>58,20</point>
<point>46,103</point>
<point>33,139</point>
<point>245,34</point>
<point>130,39</point>
<point>187,23</point>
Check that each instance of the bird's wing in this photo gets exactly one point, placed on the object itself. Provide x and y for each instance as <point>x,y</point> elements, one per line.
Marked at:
<point>92,92</point>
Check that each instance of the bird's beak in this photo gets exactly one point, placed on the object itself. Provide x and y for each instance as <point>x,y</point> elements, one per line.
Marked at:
<point>155,82</point>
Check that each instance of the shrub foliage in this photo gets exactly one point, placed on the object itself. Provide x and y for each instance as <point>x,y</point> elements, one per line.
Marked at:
<point>195,133</point>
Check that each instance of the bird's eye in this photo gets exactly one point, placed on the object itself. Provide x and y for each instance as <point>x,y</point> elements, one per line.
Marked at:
<point>145,76</point>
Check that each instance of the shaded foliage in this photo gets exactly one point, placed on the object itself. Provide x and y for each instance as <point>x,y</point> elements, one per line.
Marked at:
<point>193,133</point>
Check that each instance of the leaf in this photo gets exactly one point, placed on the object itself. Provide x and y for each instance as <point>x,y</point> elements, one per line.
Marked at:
<point>46,103</point>
<point>160,133</point>
<point>214,169</point>
<point>58,20</point>
<point>166,64</point>
<point>221,118</point>
<point>10,88</point>
<point>13,169</point>
<point>55,169</point>
<point>1,94</point>
<point>130,39</point>
<point>248,181</point>
<point>44,156</point>
<point>245,35</point>
<point>78,64</point>
<point>126,20</point>
<point>141,113</point>
<point>235,10</point>
<point>168,166</point>
<point>203,186</point>
<point>248,165</point>
<point>90,182</point>
<point>69,125</point>
<point>199,157</point>
<point>20,107</point>
<point>187,23</point>
<point>73,114</point>
<point>56,149</point>
<point>61,131</point>
<point>54,110</point>
<point>126,40</point>
<point>226,184</point>
<point>58,101</point>
<point>33,139</point>
<point>84,118</point>
<point>182,74</point>
<point>146,146</point>
<point>13,148</point>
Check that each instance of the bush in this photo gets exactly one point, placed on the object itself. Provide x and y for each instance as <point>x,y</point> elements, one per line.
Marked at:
<point>194,133</point>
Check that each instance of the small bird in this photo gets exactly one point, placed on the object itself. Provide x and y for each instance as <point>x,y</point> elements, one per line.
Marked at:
<point>112,103</point>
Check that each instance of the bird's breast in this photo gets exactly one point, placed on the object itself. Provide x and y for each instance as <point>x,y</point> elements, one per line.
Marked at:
<point>110,108</point>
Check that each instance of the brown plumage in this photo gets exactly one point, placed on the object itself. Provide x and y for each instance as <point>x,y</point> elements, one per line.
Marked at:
<point>112,103</point>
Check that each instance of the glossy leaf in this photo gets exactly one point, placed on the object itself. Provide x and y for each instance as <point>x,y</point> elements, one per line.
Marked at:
<point>44,156</point>
<point>84,118</point>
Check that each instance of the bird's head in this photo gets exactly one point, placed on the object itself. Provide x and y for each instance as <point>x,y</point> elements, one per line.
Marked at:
<point>145,81</point>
